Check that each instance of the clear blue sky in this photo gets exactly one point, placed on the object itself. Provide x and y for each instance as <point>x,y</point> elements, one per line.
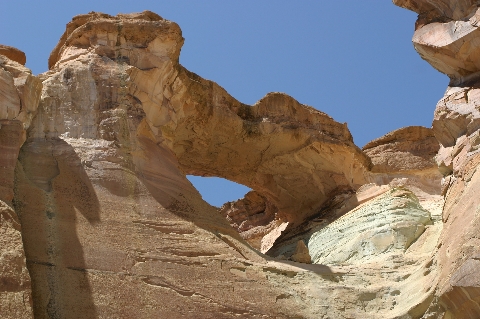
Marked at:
<point>351,59</point>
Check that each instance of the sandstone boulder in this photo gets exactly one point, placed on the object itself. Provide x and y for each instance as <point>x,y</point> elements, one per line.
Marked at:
<point>13,54</point>
<point>449,9</point>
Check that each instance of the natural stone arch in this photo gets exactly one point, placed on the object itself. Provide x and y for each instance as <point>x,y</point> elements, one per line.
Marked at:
<point>291,153</point>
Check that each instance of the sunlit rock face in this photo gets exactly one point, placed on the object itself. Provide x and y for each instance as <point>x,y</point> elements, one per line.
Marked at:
<point>446,35</point>
<point>449,43</point>
<point>387,230</point>
<point>386,225</point>
<point>101,191</point>
<point>13,54</point>
<point>111,227</point>
<point>439,9</point>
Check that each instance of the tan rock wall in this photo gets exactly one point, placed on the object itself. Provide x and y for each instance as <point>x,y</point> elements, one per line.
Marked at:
<point>448,43</point>
<point>19,94</point>
<point>112,228</point>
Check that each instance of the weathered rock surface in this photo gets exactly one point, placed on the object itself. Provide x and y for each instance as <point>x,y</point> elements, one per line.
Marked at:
<point>101,189</point>
<point>403,150</point>
<point>252,216</point>
<point>274,147</point>
<point>13,54</point>
<point>445,35</point>
<point>386,225</point>
<point>383,242</point>
<point>19,96</point>
<point>440,9</point>
<point>113,229</point>
<point>450,45</point>
<point>15,289</point>
<point>406,158</point>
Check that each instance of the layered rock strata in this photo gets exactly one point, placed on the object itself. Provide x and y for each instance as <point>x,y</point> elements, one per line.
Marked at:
<point>449,43</point>
<point>406,158</point>
<point>19,96</point>
<point>101,190</point>
<point>112,228</point>
<point>253,217</point>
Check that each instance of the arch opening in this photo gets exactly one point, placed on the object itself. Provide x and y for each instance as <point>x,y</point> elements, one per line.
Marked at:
<point>217,191</point>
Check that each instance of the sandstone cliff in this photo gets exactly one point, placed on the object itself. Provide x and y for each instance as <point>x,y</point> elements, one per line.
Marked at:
<point>19,96</point>
<point>446,36</point>
<point>96,204</point>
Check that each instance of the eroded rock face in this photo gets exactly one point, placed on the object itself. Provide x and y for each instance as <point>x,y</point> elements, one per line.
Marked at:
<point>13,54</point>
<point>274,147</point>
<point>406,157</point>
<point>101,189</point>
<point>19,96</point>
<point>112,228</point>
<point>403,150</point>
<point>440,9</point>
<point>445,35</point>
<point>15,289</point>
<point>389,224</point>
<point>450,46</point>
<point>252,216</point>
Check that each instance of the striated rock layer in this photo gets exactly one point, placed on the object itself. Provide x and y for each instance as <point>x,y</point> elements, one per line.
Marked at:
<point>447,38</point>
<point>19,96</point>
<point>95,154</point>
<point>112,227</point>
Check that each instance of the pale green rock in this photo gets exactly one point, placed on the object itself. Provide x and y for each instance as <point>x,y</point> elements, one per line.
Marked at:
<point>388,224</point>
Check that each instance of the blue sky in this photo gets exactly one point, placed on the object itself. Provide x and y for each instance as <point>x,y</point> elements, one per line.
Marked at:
<point>351,59</point>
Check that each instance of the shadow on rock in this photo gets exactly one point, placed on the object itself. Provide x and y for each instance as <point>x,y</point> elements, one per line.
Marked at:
<point>53,197</point>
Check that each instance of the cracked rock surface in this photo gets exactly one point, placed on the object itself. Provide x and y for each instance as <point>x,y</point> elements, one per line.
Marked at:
<point>447,38</point>
<point>98,219</point>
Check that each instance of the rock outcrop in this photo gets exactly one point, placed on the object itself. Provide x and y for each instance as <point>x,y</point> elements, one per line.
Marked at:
<point>406,158</point>
<point>253,217</point>
<point>407,149</point>
<point>13,54</point>
<point>101,190</point>
<point>19,96</point>
<point>94,199</point>
<point>445,35</point>
<point>447,39</point>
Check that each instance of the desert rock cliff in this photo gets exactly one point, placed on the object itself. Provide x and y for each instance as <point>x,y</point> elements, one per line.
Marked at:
<point>446,36</point>
<point>98,219</point>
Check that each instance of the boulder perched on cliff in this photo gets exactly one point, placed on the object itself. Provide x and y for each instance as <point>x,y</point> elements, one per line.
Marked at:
<point>13,54</point>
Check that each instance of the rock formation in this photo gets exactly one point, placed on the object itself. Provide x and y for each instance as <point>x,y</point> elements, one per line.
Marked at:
<point>96,204</point>
<point>447,38</point>
<point>253,217</point>
<point>19,96</point>
<point>101,190</point>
